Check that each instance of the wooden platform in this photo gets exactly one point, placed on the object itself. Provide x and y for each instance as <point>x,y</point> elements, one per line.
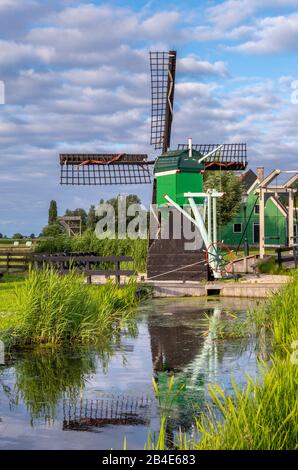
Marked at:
<point>250,288</point>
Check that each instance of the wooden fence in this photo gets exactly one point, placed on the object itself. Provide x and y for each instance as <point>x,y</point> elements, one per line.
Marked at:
<point>291,256</point>
<point>14,261</point>
<point>87,264</point>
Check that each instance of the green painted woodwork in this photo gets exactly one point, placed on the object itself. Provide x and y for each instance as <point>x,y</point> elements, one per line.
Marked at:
<point>179,160</point>
<point>185,176</point>
<point>275,224</point>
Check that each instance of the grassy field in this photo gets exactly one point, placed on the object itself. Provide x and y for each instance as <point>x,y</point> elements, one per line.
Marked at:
<point>47,308</point>
<point>265,414</point>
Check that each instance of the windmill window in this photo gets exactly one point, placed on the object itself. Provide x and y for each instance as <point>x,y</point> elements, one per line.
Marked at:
<point>257,209</point>
<point>237,228</point>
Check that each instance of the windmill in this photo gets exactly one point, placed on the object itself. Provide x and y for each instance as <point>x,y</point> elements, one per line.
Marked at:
<point>177,182</point>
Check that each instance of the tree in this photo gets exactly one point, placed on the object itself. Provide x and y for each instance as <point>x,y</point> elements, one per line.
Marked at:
<point>130,199</point>
<point>32,235</point>
<point>53,213</point>
<point>17,236</point>
<point>51,230</point>
<point>91,219</point>
<point>227,182</point>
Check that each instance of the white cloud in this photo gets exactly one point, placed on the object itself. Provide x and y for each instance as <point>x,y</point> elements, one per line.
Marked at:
<point>79,81</point>
<point>272,35</point>
<point>232,12</point>
<point>194,65</point>
<point>10,5</point>
<point>235,19</point>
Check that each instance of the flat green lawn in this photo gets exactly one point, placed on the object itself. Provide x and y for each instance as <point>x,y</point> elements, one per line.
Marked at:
<point>9,283</point>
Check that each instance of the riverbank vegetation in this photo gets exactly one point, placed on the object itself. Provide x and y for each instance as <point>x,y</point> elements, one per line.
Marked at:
<point>265,414</point>
<point>49,308</point>
<point>89,243</point>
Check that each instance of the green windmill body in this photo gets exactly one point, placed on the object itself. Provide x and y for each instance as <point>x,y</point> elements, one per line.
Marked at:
<point>176,173</point>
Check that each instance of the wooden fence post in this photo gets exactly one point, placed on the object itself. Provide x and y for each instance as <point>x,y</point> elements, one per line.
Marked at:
<point>117,267</point>
<point>279,258</point>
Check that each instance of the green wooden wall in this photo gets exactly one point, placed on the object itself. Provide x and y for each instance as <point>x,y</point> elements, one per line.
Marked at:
<point>275,224</point>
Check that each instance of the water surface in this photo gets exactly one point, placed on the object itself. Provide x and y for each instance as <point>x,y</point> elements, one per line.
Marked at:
<point>85,398</point>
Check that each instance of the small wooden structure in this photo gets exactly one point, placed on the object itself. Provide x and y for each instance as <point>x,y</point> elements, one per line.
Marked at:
<point>72,224</point>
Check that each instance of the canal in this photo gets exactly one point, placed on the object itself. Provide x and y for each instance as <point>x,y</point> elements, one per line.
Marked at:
<point>94,398</point>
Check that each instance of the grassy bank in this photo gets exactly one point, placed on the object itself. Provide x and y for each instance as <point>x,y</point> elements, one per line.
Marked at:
<point>88,242</point>
<point>265,414</point>
<point>49,308</point>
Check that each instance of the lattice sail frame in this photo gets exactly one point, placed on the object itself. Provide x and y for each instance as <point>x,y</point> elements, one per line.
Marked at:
<point>229,157</point>
<point>105,169</point>
<point>163,71</point>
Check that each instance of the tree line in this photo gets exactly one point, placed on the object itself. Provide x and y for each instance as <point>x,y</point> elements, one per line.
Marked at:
<point>89,218</point>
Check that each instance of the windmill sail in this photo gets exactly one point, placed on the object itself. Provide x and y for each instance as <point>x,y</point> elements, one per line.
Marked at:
<point>105,169</point>
<point>163,70</point>
<point>228,157</point>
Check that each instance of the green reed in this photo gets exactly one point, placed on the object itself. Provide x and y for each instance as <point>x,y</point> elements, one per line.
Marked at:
<point>50,308</point>
<point>88,242</point>
<point>264,415</point>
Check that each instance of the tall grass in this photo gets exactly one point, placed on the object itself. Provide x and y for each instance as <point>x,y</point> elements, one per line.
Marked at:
<point>88,242</point>
<point>50,308</point>
<point>265,414</point>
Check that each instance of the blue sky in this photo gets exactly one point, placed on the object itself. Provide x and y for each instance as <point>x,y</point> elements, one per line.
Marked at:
<point>77,79</point>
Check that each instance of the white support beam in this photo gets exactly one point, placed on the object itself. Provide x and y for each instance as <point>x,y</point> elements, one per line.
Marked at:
<point>276,189</point>
<point>291,181</point>
<point>262,222</point>
<point>269,178</point>
<point>212,192</point>
<point>210,153</point>
<point>291,219</point>
<point>198,221</point>
<point>214,220</point>
<point>209,202</point>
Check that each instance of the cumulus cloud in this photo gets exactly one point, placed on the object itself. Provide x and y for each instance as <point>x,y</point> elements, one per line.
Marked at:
<point>237,19</point>
<point>272,35</point>
<point>192,64</point>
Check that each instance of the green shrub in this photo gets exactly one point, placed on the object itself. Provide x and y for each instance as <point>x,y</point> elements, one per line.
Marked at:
<point>269,266</point>
<point>88,242</point>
